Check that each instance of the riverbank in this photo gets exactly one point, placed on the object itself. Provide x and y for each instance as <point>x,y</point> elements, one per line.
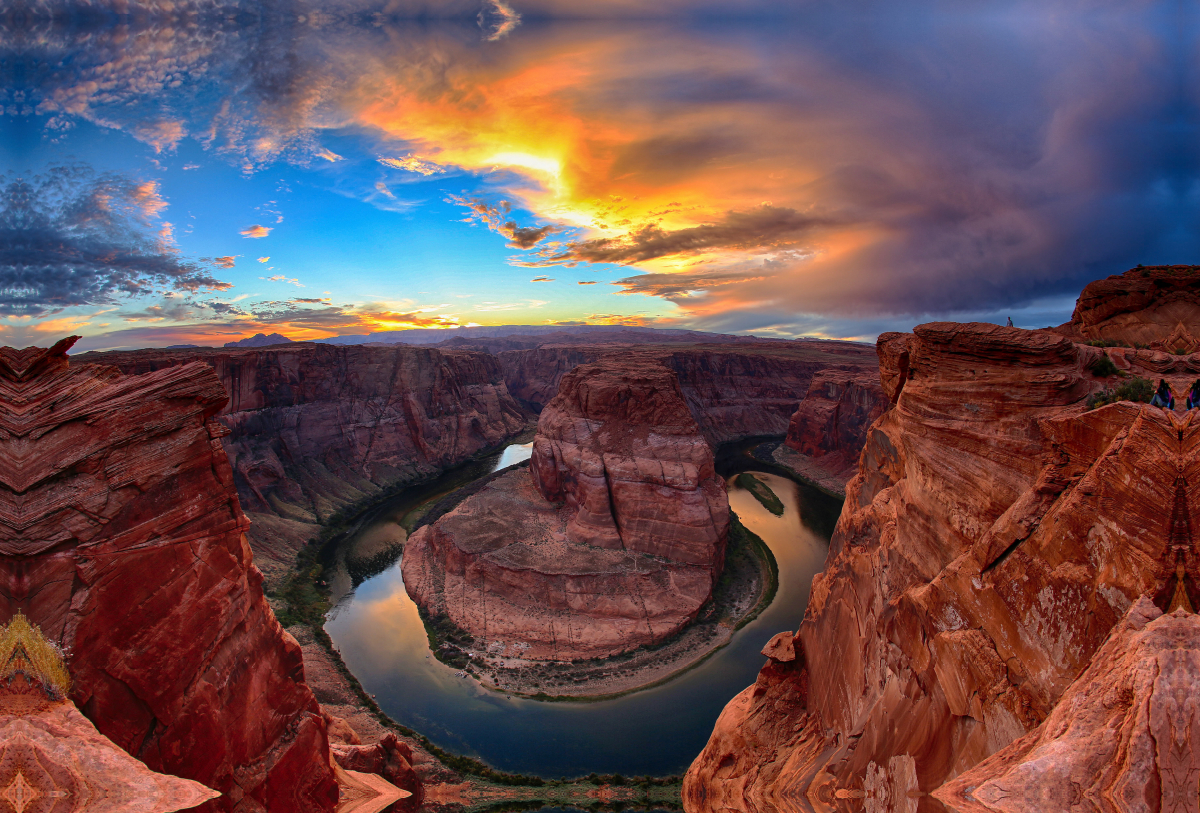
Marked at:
<point>458,783</point>
<point>746,587</point>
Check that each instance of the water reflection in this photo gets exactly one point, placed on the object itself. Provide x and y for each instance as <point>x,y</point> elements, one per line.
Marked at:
<point>657,731</point>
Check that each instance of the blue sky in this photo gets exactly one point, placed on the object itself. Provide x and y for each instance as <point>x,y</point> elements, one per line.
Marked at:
<point>782,169</point>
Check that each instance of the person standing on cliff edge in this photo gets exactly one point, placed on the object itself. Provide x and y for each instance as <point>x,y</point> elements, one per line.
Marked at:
<point>1164,398</point>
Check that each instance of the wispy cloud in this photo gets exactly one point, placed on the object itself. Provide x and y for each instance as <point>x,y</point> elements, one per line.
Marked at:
<point>255,231</point>
<point>496,217</point>
<point>282,278</point>
<point>264,259</point>
<point>412,163</point>
<point>328,155</point>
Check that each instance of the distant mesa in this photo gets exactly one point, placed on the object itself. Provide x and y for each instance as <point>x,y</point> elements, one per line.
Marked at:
<point>257,340</point>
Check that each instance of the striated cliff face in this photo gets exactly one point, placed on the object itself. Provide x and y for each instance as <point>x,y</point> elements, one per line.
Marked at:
<point>122,538</point>
<point>1154,305</point>
<point>612,539</point>
<point>831,422</point>
<point>316,427</point>
<point>733,390</point>
<point>995,535</point>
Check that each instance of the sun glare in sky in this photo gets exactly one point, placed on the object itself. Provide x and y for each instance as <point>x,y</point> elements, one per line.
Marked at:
<point>190,175</point>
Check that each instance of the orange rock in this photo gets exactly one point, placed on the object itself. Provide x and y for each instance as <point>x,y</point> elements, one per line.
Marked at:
<point>612,539</point>
<point>994,535</point>
<point>122,538</point>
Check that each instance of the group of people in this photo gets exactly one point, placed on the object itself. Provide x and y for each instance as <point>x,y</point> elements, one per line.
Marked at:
<point>1164,398</point>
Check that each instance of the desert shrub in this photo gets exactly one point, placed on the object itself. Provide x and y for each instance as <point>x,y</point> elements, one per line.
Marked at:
<point>1103,367</point>
<point>1133,389</point>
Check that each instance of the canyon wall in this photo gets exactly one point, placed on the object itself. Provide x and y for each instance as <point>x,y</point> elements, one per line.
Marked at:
<point>830,426</point>
<point>122,538</point>
<point>613,538</point>
<point>733,390</point>
<point>314,427</point>
<point>996,533</point>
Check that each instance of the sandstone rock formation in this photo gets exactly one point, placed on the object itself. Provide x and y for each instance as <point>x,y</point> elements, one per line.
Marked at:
<point>1156,305</point>
<point>733,390</point>
<point>313,428</point>
<point>995,534</point>
<point>1124,736</point>
<point>52,757</point>
<point>612,539</point>
<point>122,538</point>
<point>831,423</point>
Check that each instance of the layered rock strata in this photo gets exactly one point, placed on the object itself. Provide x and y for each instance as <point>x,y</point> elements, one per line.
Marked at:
<point>122,538</point>
<point>612,539</point>
<point>313,428</point>
<point>733,390</point>
<point>996,533</point>
<point>830,426</point>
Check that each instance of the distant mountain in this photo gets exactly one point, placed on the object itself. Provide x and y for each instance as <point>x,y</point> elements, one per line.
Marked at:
<point>438,335</point>
<point>261,340</point>
<point>180,346</point>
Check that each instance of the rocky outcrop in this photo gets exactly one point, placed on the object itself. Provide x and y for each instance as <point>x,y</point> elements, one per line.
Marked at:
<point>1124,735</point>
<point>995,534</point>
<point>831,423</point>
<point>733,390</point>
<point>52,757</point>
<point>1156,305</point>
<point>612,539</point>
<point>313,428</point>
<point>122,538</point>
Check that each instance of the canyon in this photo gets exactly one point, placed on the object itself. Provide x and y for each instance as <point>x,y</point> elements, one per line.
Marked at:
<point>1006,619</point>
<point>611,539</point>
<point>317,428</point>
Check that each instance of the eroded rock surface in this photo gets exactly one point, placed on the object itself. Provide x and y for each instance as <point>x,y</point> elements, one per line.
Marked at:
<point>831,423</point>
<point>613,538</point>
<point>122,538</point>
<point>995,534</point>
<point>313,427</point>
<point>733,390</point>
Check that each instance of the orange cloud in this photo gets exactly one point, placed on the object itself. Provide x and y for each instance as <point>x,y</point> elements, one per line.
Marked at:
<point>255,231</point>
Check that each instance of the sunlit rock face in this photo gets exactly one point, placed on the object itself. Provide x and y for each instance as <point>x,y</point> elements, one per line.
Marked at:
<point>612,539</point>
<point>995,534</point>
<point>122,538</point>
<point>315,427</point>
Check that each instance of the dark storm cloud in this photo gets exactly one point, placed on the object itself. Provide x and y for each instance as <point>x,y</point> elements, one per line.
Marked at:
<point>762,227</point>
<point>71,237</point>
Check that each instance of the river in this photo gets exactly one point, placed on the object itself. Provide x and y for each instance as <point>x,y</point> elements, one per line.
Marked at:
<point>658,731</point>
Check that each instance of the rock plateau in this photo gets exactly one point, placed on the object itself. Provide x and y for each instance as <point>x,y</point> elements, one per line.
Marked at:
<point>1006,617</point>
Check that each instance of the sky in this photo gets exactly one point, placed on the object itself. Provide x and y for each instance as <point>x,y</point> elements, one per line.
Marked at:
<point>197,171</point>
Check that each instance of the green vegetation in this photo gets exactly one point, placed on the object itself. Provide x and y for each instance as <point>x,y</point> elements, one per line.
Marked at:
<point>762,492</point>
<point>446,639</point>
<point>1103,367</point>
<point>747,545</point>
<point>1133,389</point>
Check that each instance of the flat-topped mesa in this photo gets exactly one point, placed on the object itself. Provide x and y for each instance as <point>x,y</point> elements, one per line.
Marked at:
<point>996,532</point>
<point>1154,305</point>
<point>613,539</point>
<point>620,448</point>
<point>121,537</point>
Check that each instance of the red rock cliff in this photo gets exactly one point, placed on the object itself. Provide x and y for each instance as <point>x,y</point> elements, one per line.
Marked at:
<point>612,539</point>
<point>316,427</point>
<point>996,533</point>
<point>831,423</point>
<point>733,390</point>
<point>122,538</point>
